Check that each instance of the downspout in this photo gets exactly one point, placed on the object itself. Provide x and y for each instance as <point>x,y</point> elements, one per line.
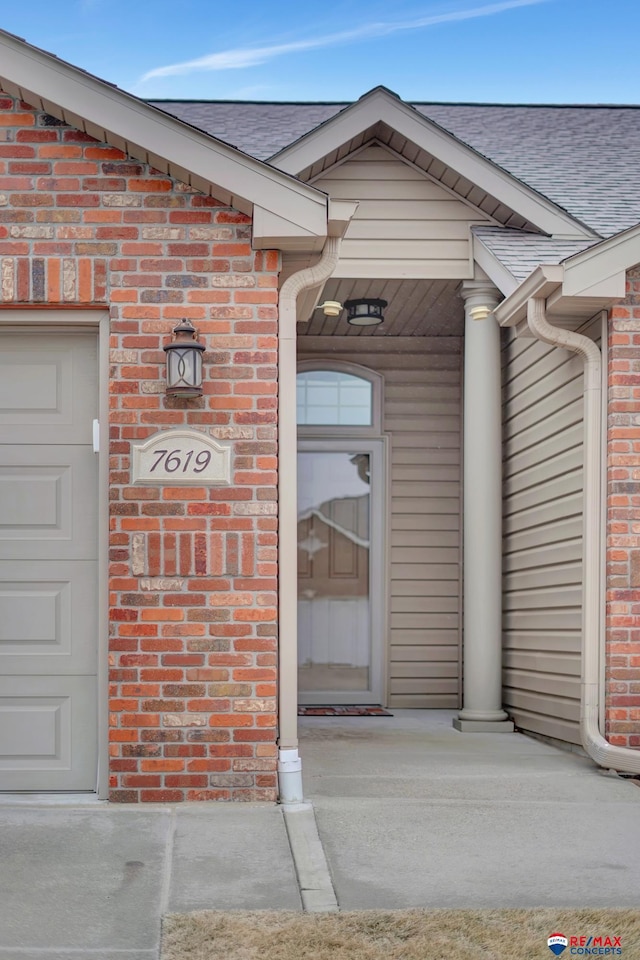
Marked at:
<point>289,763</point>
<point>600,750</point>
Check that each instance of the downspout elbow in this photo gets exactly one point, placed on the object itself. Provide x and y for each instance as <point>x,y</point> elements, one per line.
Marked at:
<point>310,276</point>
<point>598,748</point>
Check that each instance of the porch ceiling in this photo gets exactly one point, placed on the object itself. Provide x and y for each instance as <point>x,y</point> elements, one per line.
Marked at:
<point>416,308</point>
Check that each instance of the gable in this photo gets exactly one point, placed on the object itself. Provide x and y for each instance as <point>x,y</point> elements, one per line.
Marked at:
<point>382,116</point>
<point>183,153</point>
<point>407,225</point>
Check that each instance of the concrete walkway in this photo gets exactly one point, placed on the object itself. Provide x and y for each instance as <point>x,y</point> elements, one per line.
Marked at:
<point>410,813</point>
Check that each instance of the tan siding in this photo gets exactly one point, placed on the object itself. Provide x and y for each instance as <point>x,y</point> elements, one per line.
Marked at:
<point>542,543</point>
<point>422,385</point>
<point>405,226</point>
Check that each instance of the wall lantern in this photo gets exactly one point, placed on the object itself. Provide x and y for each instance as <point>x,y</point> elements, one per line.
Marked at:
<point>365,312</point>
<point>184,362</point>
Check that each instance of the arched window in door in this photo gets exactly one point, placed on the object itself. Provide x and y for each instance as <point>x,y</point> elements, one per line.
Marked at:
<point>338,398</point>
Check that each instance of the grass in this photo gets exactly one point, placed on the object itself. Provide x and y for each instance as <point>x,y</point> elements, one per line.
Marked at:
<point>390,934</point>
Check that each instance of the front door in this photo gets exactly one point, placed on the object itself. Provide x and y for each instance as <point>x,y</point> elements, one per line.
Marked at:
<point>48,561</point>
<point>340,595</point>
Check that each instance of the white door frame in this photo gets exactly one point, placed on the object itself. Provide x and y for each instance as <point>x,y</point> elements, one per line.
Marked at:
<point>97,321</point>
<point>377,448</point>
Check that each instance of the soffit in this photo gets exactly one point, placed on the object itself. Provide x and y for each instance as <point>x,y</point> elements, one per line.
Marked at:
<point>416,308</point>
<point>427,163</point>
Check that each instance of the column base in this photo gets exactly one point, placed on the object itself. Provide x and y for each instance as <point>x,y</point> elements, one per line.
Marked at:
<point>483,726</point>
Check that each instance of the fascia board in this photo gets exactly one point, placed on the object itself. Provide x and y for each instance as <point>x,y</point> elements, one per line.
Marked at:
<point>494,268</point>
<point>269,231</point>
<point>544,280</point>
<point>146,132</point>
<point>611,288</point>
<point>606,261</point>
<point>427,135</point>
<point>598,297</point>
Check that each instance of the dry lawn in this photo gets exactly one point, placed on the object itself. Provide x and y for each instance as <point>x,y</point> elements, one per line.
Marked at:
<point>390,935</point>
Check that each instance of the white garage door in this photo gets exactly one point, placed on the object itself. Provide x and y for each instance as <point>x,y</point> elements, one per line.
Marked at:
<point>48,561</point>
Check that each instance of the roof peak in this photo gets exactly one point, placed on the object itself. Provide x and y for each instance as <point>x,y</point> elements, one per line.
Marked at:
<point>413,103</point>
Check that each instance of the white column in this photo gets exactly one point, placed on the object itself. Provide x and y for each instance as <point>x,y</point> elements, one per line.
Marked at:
<point>482,510</point>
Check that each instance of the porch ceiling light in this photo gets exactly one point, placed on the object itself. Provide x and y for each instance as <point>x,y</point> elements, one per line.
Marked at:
<point>184,362</point>
<point>330,308</point>
<point>365,312</point>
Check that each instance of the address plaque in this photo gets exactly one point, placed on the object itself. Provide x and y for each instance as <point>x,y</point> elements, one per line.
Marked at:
<point>179,458</point>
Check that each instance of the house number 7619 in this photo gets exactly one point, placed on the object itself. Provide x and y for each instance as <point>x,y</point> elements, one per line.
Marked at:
<point>178,460</point>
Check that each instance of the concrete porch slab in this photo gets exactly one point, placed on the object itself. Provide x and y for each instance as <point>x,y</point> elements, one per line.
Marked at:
<point>412,814</point>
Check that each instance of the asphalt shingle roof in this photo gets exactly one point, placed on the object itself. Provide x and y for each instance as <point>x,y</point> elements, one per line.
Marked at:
<point>260,129</point>
<point>584,158</point>
<point>522,252</point>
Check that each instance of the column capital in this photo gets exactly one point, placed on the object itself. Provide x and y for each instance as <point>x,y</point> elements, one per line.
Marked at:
<point>480,297</point>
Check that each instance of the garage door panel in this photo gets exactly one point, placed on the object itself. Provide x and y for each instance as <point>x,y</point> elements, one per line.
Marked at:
<point>47,388</point>
<point>45,739</point>
<point>48,560</point>
<point>47,502</point>
<point>47,617</point>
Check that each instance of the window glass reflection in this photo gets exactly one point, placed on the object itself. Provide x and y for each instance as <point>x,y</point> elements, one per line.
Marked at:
<point>333,572</point>
<point>330,398</point>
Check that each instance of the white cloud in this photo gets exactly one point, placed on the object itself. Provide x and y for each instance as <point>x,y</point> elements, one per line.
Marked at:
<point>243,57</point>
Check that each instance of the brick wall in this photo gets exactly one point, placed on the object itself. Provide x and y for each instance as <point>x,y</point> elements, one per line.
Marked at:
<point>192,570</point>
<point>623,526</point>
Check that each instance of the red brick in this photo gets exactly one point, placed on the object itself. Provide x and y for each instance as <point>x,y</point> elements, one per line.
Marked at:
<point>175,637</point>
<point>161,796</point>
<point>623,554</point>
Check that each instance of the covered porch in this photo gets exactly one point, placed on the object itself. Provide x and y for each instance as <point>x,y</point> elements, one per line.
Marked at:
<point>420,214</point>
<point>380,573</point>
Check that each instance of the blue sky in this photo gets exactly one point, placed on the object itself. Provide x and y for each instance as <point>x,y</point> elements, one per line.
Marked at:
<point>510,51</point>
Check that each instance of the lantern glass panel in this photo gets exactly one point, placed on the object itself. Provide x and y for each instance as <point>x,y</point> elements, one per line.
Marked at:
<point>184,367</point>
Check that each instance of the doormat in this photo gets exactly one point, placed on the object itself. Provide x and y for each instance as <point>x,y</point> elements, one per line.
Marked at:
<point>343,711</point>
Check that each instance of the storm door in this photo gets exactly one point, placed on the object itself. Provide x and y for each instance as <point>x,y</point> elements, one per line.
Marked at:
<point>340,565</point>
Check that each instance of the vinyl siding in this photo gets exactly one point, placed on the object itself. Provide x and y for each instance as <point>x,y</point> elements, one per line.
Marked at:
<point>406,224</point>
<point>542,536</point>
<point>421,415</point>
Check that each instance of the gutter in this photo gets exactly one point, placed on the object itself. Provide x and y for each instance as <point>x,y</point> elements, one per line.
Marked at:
<point>289,763</point>
<point>598,748</point>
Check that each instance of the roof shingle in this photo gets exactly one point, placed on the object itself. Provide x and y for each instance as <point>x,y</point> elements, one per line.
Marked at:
<point>586,159</point>
<point>521,253</point>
